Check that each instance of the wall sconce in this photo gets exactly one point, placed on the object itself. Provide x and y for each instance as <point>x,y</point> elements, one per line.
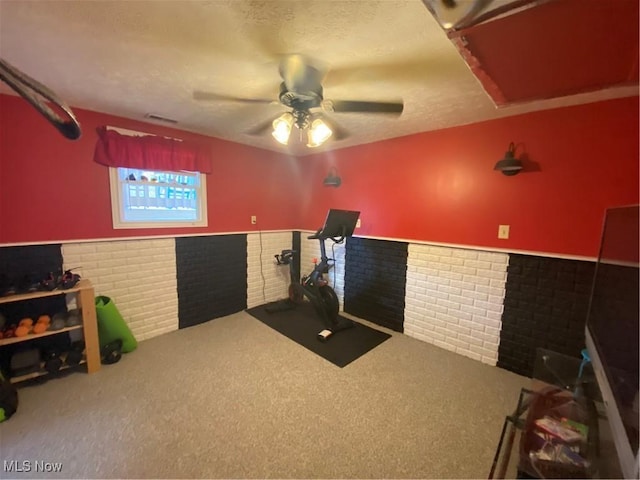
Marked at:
<point>332,179</point>
<point>509,165</point>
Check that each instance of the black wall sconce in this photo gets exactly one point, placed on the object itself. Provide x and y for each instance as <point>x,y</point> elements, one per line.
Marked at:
<point>332,179</point>
<point>509,165</point>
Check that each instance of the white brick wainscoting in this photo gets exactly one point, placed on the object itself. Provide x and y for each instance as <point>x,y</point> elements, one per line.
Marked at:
<point>138,275</point>
<point>454,299</point>
<point>266,281</point>
<point>454,296</point>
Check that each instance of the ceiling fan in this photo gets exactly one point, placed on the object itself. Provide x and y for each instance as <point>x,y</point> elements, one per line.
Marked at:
<point>301,92</point>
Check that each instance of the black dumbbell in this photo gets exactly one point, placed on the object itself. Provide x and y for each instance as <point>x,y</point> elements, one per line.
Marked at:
<point>52,361</point>
<point>74,356</point>
<point>112,352</point>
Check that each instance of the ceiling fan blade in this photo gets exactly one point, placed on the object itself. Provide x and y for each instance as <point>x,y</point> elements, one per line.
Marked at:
<point>408,69</point>
<point>344,106</point>
<point>209,96</point>
<point>262,127</point>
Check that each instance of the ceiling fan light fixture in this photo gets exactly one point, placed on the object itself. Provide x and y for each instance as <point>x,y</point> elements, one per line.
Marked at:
<point>282,128</point>
<point>319,132</point>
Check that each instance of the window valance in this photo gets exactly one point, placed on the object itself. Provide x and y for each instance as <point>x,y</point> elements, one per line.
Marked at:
<point>149,152</point>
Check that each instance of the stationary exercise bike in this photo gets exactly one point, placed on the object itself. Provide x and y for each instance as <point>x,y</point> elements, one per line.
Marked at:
<point>338,226</point>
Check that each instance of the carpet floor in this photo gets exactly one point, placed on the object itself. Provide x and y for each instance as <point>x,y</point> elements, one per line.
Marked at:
<point>233,398</point>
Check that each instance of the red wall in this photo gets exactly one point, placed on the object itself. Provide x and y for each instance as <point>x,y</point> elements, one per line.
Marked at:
<point>441,187</point>
<point>436,186</point>
<point>52,190</point>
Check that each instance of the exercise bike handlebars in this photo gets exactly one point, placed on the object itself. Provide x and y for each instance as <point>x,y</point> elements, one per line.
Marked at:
<point>319,236</point>
<point>315,235</point>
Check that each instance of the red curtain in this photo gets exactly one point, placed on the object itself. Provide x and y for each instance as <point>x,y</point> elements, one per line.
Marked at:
<point>149,152</point>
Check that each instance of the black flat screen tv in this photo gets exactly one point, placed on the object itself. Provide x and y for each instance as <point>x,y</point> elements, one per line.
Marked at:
<point>612,333</point>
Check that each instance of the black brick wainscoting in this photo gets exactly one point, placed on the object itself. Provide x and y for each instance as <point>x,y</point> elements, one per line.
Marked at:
<point>545,306</point>
<point>297,247</point>
<point>33,260</point>
<point>212,277</point>
<point>375,278</point>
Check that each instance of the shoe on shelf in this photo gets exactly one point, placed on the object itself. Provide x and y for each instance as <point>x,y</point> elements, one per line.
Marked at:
<point>49,283</point>
<point>69,280</point>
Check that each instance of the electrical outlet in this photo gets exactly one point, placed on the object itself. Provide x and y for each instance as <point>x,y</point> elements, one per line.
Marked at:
<point>503,231</point>
<point>254,219</point>
<point>358,224</point>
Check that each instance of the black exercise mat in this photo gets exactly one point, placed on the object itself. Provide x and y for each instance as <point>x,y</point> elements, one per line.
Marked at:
<point>302,325</point>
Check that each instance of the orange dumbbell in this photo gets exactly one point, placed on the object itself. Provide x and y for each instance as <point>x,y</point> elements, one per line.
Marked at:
<point>42,325</point>
<point>24,327</point>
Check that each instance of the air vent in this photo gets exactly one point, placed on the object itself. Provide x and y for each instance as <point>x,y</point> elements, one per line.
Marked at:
<point>153,116</point>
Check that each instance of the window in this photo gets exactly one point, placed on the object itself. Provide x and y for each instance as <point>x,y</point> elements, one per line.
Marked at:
<point>143,198</point>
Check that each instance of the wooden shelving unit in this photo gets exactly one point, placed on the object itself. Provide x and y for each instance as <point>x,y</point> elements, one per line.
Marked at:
<point>85,299</point>
<point>33,336</point>
<point>40,373</point>
<point>81,285</point>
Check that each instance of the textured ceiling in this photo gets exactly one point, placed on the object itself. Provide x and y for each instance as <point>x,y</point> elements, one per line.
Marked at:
<point>130,58</point>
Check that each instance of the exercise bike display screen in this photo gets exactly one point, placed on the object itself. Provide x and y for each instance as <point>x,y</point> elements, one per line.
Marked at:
<point>339,223</point>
